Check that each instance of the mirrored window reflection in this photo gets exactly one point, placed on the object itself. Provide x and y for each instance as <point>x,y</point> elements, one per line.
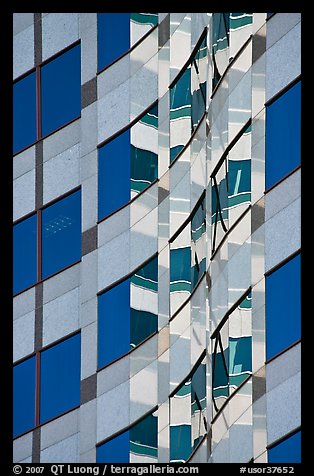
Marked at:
<point>198,84</point>
<point>188,258</point>
<point>287,451</point>
<point>232,353</point>
<point>150,19</point>
<point>25,254</point>
<point>128,164</point>
<point>220,42</point>
<point>180,113</point>
<point>283,307</point>
<point>283,135</point>
<point>128,313</point>
<point>24,381</point>
<point>60,370</point>
<point>61,90</point>
<point>231,188</point>
<point>24,112</point>
<point>239,20</point>
<point>188,415</point>
<point>113,37</point>
<point>136,445</point>
<point>61,234</point>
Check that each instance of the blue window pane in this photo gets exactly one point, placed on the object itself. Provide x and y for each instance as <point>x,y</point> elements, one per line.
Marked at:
<point>61,234</point>
<point>114,174</point>
<point>221,375</point>
<point>113,323</point>
<point>61,90</point>
<point>283,130</point>
<point>283,307</point>
<point>116,450</point>
<point>180,442</point>
<point>24,389</point>
<point>113,37</point>
<point>25,254</point>
<point>180,269</point>
<point>288,451</point>
<point>60,372</point>
<point>24,112</point>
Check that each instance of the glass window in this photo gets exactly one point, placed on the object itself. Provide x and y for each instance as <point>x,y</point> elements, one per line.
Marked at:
<point>283,135</point>
<point>24,112</point>
<point>136,445</point>
<point>25,254</point>
<point>198,83</point>
<point>220,42</point>
<point>145,18</point>
<point>113,323</point>
<point>137,301</point>
<point>288,451</point>
<point>187,415</point>
<point>232,354</point>
<point>239,20</point>
<point>61,90</point>
<point>128,164</point>
<point>113,37</point>
<point>231,188</point>
<point>198,240</point>
<point>60,370</point>
<point>61,234</point>
<point>180,113</point>
<point>24,376</point>
<point>180,269</point>
<point>283,307</point>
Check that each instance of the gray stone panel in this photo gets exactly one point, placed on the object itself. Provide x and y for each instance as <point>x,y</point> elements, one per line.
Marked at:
<point>24,194</point>
<point>59,429</point>
<point>21,21</point>
<point>22,447</point>
<point>89,92</point>
<point>23,335</point>
<point>65,451</point>
<point>283,194</point>
<point>279,25</point>
<point>23,51</point>
<point>59,30</point>
<point>283,367</point>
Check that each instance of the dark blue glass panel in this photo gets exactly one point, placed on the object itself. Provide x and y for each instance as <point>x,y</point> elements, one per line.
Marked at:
<point>220,375</point>
<point>288,451</point>
<point>283,307</point>
<point>25,254</point>
<point>113,37</point>
<point>61,234</point>
<point>60,370</point>
<point>283,131</point>
<point>114,174</point>
<point>113,323</point>
<point>116,450</point>
<point>61,90</point>
<point>24,391</point>
<point>180,269</point>
<point>24,112</point>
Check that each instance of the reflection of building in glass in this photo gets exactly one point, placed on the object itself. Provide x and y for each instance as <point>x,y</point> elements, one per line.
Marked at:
<point>157,247</point>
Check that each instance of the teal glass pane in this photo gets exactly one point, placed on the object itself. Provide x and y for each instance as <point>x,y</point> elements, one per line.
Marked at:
<point>143,437</point>
<point>239,20</point>
<point>239,181</point>
<point>180,269</point>
<point>142,325</point>
<point>221,24</point>
<point>144,163</point>
<point>180,443</point>
<point>145,18</point>
<point>240,359</point>
<point>220,375</point>
<point>219,208</point>
<point>180,106</point>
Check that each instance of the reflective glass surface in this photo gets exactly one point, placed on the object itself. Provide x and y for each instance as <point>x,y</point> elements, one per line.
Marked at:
<point>24,254</point>
<point>198,240</point>
<point>61,234</point>
<point>139,441</point>
<point>60,370</point>
<point>198,83</point>
<point>145,18</point>
<point>113,37</point>
<point>283,307</point>
<point>180,113</point>
<point>24,112</point>
<point>232,354</point>
<point>283,135</point>
<point>61,90</point>
<point>288,451</point>
<point>113,323</point>
<point>220,42</point>
<point>24,375</point>
<point>180,269</point>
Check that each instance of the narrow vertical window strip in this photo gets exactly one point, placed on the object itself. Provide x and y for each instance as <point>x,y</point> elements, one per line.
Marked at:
<point>38,102</point>
<point>37,393</point>
<point>39,246</point>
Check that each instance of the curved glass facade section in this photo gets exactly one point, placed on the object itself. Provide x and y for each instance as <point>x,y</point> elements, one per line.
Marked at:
<point>128,164</point>
<point>232,353</point>
<point>231,188</point>
<point>137,444</point>
<point>188,415</point>
<point>128,313</point>
<point>188,258</point>
<point>220,45</point>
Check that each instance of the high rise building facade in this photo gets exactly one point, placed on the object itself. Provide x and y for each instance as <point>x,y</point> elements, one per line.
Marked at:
<point>157,251</point>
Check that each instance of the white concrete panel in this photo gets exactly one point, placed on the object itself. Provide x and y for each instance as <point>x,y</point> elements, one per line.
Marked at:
<point>59,30</point>
<point>59,429</point>
<point>23,51</point>
<point>22,448</point>
<point>23,335</point>
<point>113,411</point>
<point>24,194</point>
<point>66,451</point>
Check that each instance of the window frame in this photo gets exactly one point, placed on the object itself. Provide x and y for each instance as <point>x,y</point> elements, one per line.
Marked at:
<point>37,355</point>
<point>38,213</point>
<point>37,71</point>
